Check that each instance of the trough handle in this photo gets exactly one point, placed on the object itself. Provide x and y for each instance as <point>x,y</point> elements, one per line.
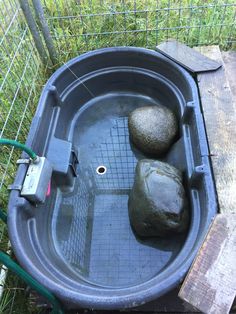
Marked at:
<point>6,260</point>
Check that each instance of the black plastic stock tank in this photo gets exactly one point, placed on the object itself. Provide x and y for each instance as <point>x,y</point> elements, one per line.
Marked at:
<point>79,243</point>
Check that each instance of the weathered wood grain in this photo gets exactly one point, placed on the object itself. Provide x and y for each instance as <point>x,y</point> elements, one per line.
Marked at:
<point>229,58</point>
<point>210,284</point>
<point>219,112</point>
<point>187,57</point>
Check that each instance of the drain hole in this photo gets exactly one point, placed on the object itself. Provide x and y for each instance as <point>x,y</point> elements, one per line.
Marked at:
<point>101,170</point>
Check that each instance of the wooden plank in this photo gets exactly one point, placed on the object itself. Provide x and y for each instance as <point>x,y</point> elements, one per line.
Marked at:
<point>187,57</point>
<point>229,58</point>
<point>220,120</point>
<point>210,285</point>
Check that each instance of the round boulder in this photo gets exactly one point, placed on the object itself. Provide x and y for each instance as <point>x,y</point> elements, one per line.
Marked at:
<point>152,129</point>
<point>157,202</point>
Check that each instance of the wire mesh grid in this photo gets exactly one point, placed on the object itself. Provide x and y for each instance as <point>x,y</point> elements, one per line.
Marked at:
<point>19,67</point>
<point>82,25</point>
<point>76,206</point>
<point>116,155</point>
<point>117,258</point>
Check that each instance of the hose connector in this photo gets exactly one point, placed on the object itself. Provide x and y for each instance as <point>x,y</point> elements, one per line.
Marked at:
<point>35,160</point>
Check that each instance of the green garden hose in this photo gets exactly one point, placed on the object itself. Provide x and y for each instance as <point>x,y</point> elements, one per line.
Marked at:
<point>10,264</point>
<point>6,259</point>
<point>5,141</point>
<point>3,216</point>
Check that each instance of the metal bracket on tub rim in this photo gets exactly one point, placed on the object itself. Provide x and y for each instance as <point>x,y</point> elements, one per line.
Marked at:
<point>23,161</point>
<point>18,187</point>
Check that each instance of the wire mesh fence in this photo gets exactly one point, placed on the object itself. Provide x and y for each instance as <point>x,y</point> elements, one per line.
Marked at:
<point>19,68</point>
<point>77,26</point>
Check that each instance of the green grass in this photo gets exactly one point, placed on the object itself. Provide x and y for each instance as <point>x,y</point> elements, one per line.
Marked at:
<point>92,24</point>
<point>194,22</point>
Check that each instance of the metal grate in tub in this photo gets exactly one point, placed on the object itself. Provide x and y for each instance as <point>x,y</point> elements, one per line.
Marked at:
<point>116,155</point>
<point>76,207</point>
<point>117,258</point>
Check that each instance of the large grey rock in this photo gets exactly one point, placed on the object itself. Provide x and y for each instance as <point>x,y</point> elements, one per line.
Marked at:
<point>152,129</point>
<point>157,202</point>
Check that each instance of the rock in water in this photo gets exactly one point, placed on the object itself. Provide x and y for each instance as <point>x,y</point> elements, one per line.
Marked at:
<point>157,202</point>
<point>152,129</point>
